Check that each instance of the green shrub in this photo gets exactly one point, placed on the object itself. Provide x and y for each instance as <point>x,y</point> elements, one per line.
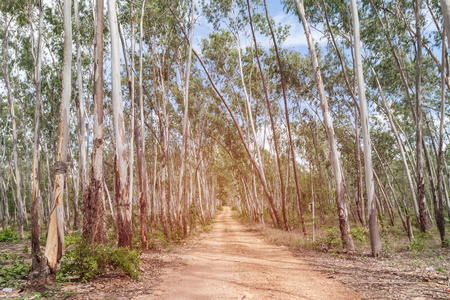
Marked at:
<point>220,207</point>
<point>9,235</point>
<point>330,240</point>
<point>70,239</point>
<point>416,245</point>
<point>14,275</point>
<point>360,234</point>
<point>86,263</point>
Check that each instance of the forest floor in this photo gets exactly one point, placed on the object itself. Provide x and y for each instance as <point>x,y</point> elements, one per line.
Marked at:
<point>236,261</point>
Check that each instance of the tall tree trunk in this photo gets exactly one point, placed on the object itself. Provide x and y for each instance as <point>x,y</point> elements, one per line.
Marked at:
<point>359,196</point>
<point>337,169</point>
<point>133,118</point>
<point>122,197</point>
<point>54,249</point>
<point>94,201</point>
<point>439,206</point>
<point>81,128</point>
<point>35,199</point>
<point>423,211</point>
<point>143,199</point>
<point>184,150</point>
<point>375,241</point>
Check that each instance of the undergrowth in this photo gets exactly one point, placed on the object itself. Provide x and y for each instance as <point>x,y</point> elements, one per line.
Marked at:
<point>14,272</point>
<point>85,263</point>
<point>9,235</point>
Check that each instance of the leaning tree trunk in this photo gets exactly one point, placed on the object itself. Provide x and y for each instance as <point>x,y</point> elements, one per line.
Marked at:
<point>123,205</point>
<point>272,122</point>
<point>375,241</point>
<point>286,112</point>
<point>93,201</point>
<point>337,169</point>
<point>45,265</point>
<point>35,199</point>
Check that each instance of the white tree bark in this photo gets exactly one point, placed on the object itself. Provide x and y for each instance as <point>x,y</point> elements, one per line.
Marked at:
<point>80,113</point>
<point>55,239</point>
<point>370,188</point>
<point>35,199</point>
<point>124,212</point>
<point>445,6</point>
<point>184,150</point>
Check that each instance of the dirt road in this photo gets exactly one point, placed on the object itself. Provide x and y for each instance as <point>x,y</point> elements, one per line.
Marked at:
<point>233,263</point>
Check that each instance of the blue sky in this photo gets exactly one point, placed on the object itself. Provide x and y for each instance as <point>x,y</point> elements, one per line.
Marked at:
<point>295,41</point>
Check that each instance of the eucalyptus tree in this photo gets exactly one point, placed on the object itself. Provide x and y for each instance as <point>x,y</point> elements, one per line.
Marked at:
<point>81,128</point>
<point>184,151</point>
<point>121,192</point>
<point>439,205</point>
<point>337,167</point>
<point>370,188</point>
<point>54,248</point>
<point>286,111</point>
<point>35,200</point>
<point>93,201</point>
<point>275,137</point>
<point>423,211</point>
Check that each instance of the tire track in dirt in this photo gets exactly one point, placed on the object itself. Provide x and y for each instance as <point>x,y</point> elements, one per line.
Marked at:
<point>234,263</point>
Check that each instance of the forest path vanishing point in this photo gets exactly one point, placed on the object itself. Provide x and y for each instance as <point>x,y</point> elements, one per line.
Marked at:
<point>234,263</point>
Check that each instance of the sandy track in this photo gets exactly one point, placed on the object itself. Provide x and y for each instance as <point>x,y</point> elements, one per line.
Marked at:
<point>234,263</point>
